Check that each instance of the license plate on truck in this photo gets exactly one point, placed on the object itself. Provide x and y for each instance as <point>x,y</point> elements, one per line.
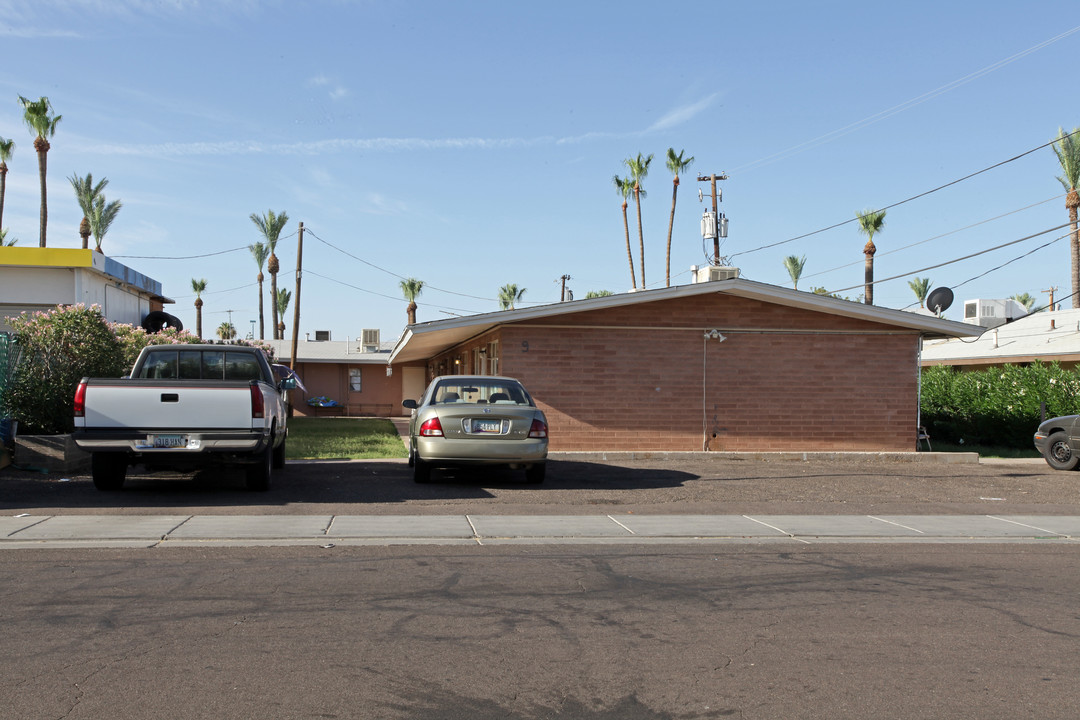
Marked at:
<point>165,441</point>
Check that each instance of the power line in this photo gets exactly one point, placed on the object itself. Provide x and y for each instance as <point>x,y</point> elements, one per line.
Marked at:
<point>910,199</point>
<point>965,257</point>
<point>937,237</point>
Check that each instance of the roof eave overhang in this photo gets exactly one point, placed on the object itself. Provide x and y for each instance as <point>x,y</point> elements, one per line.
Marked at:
<point>425,340</point>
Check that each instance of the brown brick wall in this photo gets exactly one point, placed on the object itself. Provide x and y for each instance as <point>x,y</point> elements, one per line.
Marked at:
<point>644,378</point>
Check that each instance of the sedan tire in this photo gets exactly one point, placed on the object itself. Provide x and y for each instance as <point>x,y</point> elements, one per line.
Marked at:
<point>421,470</point>
<point>1059,455</point>
<point>535,474</point>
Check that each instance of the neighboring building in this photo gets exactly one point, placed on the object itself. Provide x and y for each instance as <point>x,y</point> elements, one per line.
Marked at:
<point>34,278</point>
<point>353,375</point>
<point>1049,336</point>
<point>729,365</point>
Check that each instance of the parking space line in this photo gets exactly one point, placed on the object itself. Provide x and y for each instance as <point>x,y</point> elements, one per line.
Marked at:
<point>782,532</point>
<point>1033,527</point>
<point>890,522</point>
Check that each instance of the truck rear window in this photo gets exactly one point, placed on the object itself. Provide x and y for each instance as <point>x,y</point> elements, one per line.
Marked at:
<point>200,365</point>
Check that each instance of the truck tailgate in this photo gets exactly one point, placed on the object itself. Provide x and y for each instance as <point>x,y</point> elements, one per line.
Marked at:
<point>140,404</point>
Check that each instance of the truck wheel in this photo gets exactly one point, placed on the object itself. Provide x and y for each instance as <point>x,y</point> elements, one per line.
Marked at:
<point>258,474</point>
<point>279,455</point>
<point>1059,454</point>
<point>108,470</point>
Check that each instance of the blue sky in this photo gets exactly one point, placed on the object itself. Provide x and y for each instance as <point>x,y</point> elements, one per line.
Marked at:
<point>473,144</point>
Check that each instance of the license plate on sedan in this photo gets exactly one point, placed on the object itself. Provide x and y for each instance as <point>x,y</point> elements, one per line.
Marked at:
<point>483,425</point>
<point>165,441</point>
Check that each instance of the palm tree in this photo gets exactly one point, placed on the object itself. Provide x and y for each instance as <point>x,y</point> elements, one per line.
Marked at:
<point>508,295</point>
<point>226,331</point>
<point>625,186</point>
<point>1067,149</point>
<point>198,286</point>
<point>271,225</point>
<point>101,219</point>
<point>282,305</point>
<point>37,114</point>
<point>870,223</point>
<point>411,289</point>
<point>260,253</point>
<point>795,267</point>
<point>4,242</point>
<point>598,294</point>
<point>1024,299</point>
<point>639,170</point>
<point>676,165</point>
<point>86,193</point>
<point>921,288</point>
<point>7,147</point>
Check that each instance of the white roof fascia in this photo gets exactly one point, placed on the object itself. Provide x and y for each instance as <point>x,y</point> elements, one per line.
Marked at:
<point>430,338</point>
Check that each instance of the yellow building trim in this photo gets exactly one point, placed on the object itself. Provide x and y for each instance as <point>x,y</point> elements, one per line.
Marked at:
<point>46,257</point>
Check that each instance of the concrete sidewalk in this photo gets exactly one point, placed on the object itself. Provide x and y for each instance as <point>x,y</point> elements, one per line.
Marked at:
<point>148,531</point>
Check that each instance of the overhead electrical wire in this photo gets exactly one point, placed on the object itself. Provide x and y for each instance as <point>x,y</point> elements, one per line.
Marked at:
<point>907,200</point>
<point>956,260</point>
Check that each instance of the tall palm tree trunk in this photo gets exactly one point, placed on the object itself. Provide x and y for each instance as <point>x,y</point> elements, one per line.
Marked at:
<point>641,235</point>
<point>3,190</point>
<point>42,147</point>
<point>410,312</point>
<point>262,321</point>
<point>670,227</point>
<point>629,253</point>
<point>272,265</point>
<point>868,287</point>
<point>1072,202</point>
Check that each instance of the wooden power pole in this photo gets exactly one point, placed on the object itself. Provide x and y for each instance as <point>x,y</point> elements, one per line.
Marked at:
<point>716,211</point>
<point>296,303</point>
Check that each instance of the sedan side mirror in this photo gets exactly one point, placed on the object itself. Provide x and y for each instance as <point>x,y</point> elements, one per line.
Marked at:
<point>409,404</point>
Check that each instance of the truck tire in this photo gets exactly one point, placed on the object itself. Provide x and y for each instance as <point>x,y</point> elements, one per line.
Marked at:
<point>257,477</point>
<point>109,470</point>
<point>279,455</point>
<point>1059,454</point>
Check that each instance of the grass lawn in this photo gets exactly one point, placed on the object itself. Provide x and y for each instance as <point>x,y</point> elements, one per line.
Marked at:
<point>338,438</point>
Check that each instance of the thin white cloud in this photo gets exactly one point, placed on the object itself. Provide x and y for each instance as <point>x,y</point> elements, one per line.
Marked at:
<point>681,115</point>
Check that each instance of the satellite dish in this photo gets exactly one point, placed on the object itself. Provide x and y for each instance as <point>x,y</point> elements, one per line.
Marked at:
<point>940,300</point>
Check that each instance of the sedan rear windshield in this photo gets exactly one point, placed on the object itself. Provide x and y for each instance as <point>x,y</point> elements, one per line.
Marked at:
<point>495,392</point>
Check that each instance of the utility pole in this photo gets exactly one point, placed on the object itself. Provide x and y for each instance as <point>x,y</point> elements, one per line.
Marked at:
<point>716,212</point>
<point>296,303</point>
<point>562,297</point>
<point>1051,292</point>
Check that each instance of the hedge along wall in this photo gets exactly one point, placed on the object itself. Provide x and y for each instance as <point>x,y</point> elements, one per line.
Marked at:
<point>997,406</point>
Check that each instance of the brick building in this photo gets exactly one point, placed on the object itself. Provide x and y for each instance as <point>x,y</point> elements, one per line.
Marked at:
<point>730,365</point>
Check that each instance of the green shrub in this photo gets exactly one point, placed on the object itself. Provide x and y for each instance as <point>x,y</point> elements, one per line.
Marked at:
<point>59,347</point>
<point>62,346</point>
<point>997,406</point>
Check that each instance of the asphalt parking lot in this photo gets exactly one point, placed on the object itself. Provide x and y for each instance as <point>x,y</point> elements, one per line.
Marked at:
<point>684,498</point>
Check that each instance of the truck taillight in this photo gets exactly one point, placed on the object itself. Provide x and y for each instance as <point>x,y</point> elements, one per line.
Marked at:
<point>538,429</point>
<point>431,428</point>
<point>80,400</point>
<point>257,409</point>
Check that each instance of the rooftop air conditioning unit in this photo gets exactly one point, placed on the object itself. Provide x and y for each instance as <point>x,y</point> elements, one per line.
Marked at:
<point>991,313</point>
<point>712,273</point>
<point>369,341</point>
<point>322,336</point>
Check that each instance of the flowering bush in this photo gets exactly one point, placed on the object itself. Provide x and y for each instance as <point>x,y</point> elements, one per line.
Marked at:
<point>62,346</point>
<point>59,347</point>
<point>133,339</point>
<point>997,406</point>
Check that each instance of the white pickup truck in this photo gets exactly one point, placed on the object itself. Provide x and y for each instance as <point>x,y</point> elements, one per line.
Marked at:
<point>185,407</point>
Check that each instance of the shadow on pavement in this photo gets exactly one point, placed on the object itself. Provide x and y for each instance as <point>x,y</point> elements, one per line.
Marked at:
<point>316,483</point>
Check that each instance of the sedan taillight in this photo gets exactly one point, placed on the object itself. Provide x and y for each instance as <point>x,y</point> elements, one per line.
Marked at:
<point>538,429</point>
<point>431,428</point>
